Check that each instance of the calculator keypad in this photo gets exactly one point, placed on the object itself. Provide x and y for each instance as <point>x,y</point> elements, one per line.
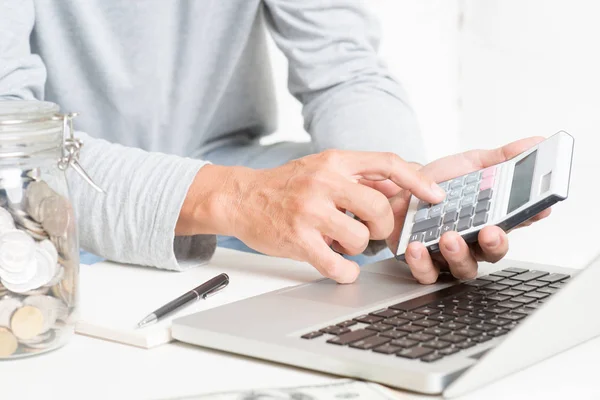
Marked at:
<point>467,204</point>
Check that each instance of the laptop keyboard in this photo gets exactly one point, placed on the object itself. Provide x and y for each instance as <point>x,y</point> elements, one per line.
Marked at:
<point>442,323</point>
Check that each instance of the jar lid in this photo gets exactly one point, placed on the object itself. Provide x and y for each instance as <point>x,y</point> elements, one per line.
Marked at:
<point>25,111</point>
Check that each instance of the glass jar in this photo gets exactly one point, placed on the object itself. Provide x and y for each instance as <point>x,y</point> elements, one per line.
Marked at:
<point>39,249</point>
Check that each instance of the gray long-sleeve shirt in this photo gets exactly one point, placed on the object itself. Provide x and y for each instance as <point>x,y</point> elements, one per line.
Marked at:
<point>156,82</point>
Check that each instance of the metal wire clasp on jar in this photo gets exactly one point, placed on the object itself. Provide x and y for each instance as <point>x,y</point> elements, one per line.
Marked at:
<point>39,246</point>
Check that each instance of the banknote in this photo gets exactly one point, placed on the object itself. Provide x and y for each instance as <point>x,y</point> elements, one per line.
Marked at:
<point>339,390</point>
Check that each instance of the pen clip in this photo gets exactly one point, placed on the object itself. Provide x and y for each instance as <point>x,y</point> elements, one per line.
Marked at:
<point>214,291</point>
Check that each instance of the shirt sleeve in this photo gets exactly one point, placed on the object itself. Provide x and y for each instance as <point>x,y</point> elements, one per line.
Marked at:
<point>349,99</point>
<point>134,222</point>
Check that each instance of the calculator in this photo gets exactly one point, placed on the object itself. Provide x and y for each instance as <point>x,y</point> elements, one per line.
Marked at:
<point>504,195</point>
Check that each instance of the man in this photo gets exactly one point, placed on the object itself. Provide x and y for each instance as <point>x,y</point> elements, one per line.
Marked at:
<point>191,79</point>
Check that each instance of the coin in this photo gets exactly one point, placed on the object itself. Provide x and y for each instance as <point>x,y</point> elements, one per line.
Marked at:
<point>39,339</point>
<point>43,341</point>
<point>16,250</point>
<point>63,245</point>
<point>8,343</point>
<point>52,308</point>
<point>60,273</point>
<point>7,308</point>
<point>56,215</point>
<point>27,322</point>
<point>36,192</point>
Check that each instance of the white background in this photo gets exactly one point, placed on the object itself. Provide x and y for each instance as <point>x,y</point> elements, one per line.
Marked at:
<point>481,73</point>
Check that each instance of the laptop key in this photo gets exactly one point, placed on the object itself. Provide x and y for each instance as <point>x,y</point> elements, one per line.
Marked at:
<point>512,317</point>
<point>482,327</point>
<point>491,278</point>
<point>438,331</point>
<point>432,357</point>
<point>498,321</point>
<point>453,326</point>
<point>498,332</point>
<point>410,328</point>
<point>498,297</point>
<point>485,302</point>
<point>379,327</point>
<point>441,317</point>
<point>394,334</point>
<point>455,313</point>
<point>509,282</point>
<point>426,323</point>
<point>509,304</point>
<point>449,351</point>
<point>411,316</point>
<point>553,278</point>
<point>351,337</point>
<point>481,338</point>
<point>312,335</point>
<point>347,324</point>
<point>467,333</point>
<point>387,313</point>
<point>523,310</point>
<point>395,321</point>
<point>387,349</point>
<point>537,284</point>
<point>406,343</point>
<point>370,342</point>
<point>524,288</point>
<point>335,330</point>
<point>483,315</point>
<point>453,338</point>
<point>523,299</point>
<point>466,320</point>
<point>505,274</point>
<point>477,283</point>
<point>496,310</point>
<point>414,352</point>
<point>515,270</point>
<point>485,292</point>
<point>437,344</point>
<point>496,287</point>
<point>558,285</point>
<point>465,345</point>
<point>421,337</point>
<point>369,319</point>
<point>529,276</point>
<point>427,311</point>
<point>512,292</point>
<point>547,291</point>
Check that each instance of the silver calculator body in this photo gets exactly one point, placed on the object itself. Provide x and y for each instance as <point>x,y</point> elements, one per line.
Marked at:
<point>504,195</point>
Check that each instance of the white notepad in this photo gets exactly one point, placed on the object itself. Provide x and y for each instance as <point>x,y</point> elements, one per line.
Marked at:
<point>115,297</point>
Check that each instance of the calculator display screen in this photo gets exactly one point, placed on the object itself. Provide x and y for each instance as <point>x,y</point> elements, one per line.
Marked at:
<point>522,180</point>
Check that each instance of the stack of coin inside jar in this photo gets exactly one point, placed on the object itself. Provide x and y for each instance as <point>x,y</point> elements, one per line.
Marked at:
<point>38,267</point>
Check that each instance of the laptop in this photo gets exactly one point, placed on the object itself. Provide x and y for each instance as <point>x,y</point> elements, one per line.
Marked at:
<point>447,338</point>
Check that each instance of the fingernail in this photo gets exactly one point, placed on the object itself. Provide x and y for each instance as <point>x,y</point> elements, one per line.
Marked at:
<point>438,191</point>
<point>451,245</point>
<point>494,242</point>
<point>415,253</point>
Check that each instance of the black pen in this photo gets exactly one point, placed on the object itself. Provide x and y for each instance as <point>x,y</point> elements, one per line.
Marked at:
<point>204,290</point>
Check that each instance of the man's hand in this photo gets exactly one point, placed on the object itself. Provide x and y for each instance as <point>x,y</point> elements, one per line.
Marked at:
<point>298,210</point>
<point>456,255</point>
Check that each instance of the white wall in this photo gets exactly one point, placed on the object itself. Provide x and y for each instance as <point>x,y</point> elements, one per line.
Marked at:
<point>481,73</point>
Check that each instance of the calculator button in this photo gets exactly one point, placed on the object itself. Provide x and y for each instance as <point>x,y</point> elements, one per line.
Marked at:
<point>472,188</point>
<point>456,183</point>
<point>483,205</point>
<point>466,211</point>
<point>485,195</point>
<point>491,171</point>
<point>472,177</point>
<point>447,228</point>
<point>422,204</point>
<point>436,211</point>
<point>452,205</point>
<point>416,237</point>
<point>468,200</point>
<point>463,224</point>
<point>432,234</point>
<point>421,215</point>
<point>454,194</point>
<point>427,224</point>
<point>444,185</point>
<point>452,216</point>
<point>480,219</point>
<point>486,183</point>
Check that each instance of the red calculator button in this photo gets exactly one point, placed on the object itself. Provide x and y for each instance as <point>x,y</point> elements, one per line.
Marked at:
<point>491,171</point>
<point>486,183</point>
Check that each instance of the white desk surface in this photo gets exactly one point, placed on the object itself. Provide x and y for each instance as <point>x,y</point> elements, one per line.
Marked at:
<point>90,368</point>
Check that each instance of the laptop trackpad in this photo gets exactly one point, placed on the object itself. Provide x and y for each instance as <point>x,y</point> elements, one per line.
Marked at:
<point>368,289</point>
